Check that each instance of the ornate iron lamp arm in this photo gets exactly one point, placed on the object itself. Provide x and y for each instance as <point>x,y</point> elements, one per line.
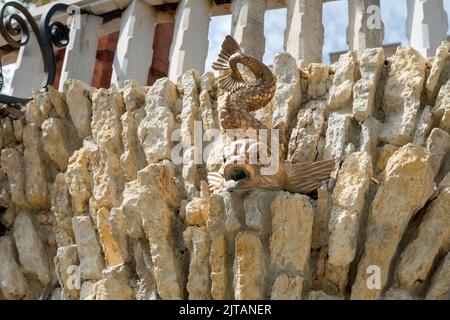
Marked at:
<point>55,33</point>
<point>47,34</point>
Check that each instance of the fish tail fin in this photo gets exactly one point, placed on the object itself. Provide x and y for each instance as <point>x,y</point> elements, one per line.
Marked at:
<point>229,47</point>
<point>307,177</point>
<point>229,81</point>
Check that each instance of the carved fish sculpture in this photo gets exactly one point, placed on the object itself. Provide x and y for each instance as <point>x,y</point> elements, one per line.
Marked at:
<point>237,173</point>
<point>242,97</point>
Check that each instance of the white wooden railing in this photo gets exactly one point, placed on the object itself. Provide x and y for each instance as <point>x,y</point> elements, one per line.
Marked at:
<point>304,34</point>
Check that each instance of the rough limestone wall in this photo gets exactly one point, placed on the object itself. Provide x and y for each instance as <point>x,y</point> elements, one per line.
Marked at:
<point>90,197</point>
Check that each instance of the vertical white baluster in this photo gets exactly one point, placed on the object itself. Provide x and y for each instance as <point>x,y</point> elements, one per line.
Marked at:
<point>79,59</point>
<point>190,39</point>
<point>29,71</point>
<point>304,34</point>
<point>247,25</point>
<point>426,25</point>
<point>134,53</point>
<point>365,27</point>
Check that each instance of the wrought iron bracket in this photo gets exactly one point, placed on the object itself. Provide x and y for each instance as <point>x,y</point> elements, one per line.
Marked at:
<point>47,34</point>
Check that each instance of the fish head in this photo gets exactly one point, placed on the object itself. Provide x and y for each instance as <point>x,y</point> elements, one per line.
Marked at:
<point>242,168</point>
<point>235,177</point>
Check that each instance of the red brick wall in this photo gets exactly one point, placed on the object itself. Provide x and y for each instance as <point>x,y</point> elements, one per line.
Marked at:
<point>105,56</point>
<point>161,50</point>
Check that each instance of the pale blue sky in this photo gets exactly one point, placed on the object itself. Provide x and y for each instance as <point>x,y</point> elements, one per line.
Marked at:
<point>335,18</point>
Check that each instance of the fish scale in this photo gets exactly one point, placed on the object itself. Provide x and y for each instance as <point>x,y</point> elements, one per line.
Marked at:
<point>242,97</point>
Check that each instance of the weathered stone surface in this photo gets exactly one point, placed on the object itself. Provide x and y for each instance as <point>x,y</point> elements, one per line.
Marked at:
<point>36,175</point>
<point>321,218</point>
<point>288,92</point>
<point>434,231</point>
<point>370,129</point>
<point>105,169</point>
<point>370,64</point>
<point>146,289</point>
<point>441,110</point>
<point>437,68</point>
<point>424,126</point>
<point>133,95</point>
<point>32,254</point>
<point>401,96</point>
<point>208,106</point>
<point>336,135</point>
<point>129,224</point>
<point>158,220</point>
<point>348,202</point>
<point>114,284</point>
<point>383,156</point>
<point>219,268</point>
<point>290,241</point>
<point>406,187</point>
<point>87,291</point>
<point>135,200</point>
<point>58,100</point>
<point>320,295</point>
<point>197,211</point>
<point>440,284</point>
<point>107,107</point>
<point>190,111</point>
<point>197,242</point>
<point>115,254</point>
<point>132,158</point>
<point>249,267</point>
<point>286,288</point>
<point>305,135</point>
<point>112,289</point>
<point>156,128</point>
<point>80,107</point>
<point>190,173</point>
<point>12,282</point>
<point>318,75</point>
<point>344,78</point>
<point>39,108</point>
<point>445,182</point>
<point>119,233</point>
<point>62,209</point>
<point>78,179</point>
<point>396,294</point>
<point>7,132</point>
<point>55,142</point>
<point>438,144</point>
<point>18,129</point>
<point>89,250</point>
<point>56,294</point>
<point>13,165</point>
<point>66,269</point>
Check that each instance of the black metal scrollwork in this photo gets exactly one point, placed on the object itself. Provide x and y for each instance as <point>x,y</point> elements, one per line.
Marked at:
<point>47,34</point>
